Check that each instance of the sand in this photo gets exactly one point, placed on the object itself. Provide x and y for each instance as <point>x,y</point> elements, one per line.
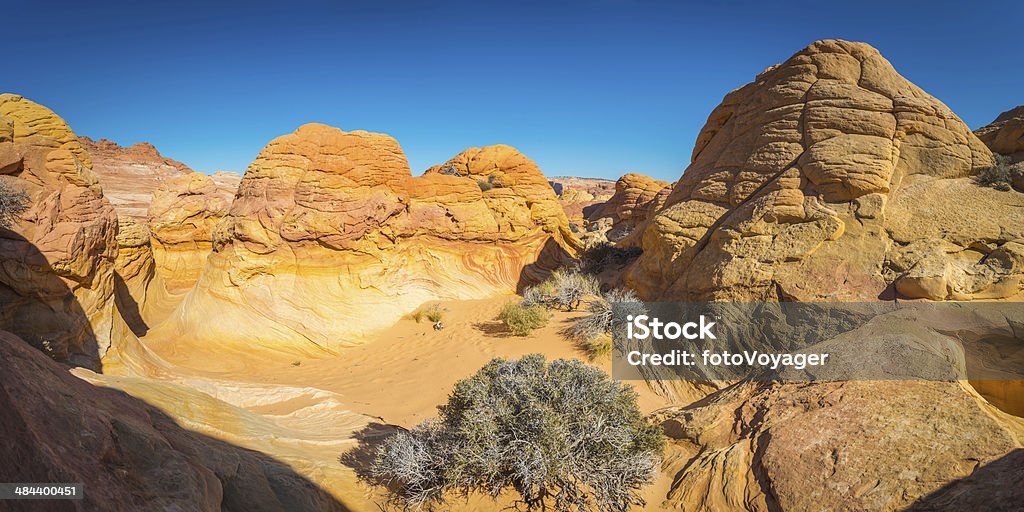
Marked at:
<point>311,411</point>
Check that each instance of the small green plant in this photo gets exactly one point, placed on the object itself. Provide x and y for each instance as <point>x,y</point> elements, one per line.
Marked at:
<point>296,363</point>
<point>495,181</point>
<point>13,204</point>
<point>434,313</point>
<point>484,185</point>
<point>417,315</point>
<point>563,435</point>
<point>998,176</point>
<point>521,319</point>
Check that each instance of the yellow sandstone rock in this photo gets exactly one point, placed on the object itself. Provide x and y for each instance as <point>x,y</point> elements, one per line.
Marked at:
<point>56,281</point>
<point>330,238</point>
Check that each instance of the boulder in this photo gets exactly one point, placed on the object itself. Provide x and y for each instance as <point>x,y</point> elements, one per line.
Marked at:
<point>832,177</point>
<point>636,199</point>
<point>56,276</point>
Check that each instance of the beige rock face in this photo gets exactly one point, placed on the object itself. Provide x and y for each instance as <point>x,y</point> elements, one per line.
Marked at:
<point>56,279</point>
<point>881,445</point>
<point>130,456</point>
<point>636,199</point>
<point>141,297</point>
<point>182,217</point>
<point>330,238</point>
<point>129,175</point>
<point>1005,135</point>
<point>831,177</point>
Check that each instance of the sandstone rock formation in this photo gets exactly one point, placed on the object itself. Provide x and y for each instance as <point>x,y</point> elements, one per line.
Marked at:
<point>636,199</point>
<point>182,217</point>
<point>858,445</point>
<point>130,175</point>
<point>1005,135</point>
<point>330,238</point>
<point>831,177</point>
<point>129,455</point>
<point>581,195</point>
<point>141,297</point>
<point>56,279</point>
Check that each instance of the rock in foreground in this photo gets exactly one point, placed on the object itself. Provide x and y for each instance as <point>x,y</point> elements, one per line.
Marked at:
<point>56,281</point>
<point>129,456</point>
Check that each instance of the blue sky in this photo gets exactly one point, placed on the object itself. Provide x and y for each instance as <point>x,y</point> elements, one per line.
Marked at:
<point>584,88</point>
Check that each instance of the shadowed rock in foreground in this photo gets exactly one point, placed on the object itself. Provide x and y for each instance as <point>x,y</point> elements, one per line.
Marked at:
<point>129,455</point>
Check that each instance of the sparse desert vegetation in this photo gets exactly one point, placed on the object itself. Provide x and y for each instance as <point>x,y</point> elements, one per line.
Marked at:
<point>594,333</point>
<point>13,204</point>
<point>522,319</point>
<point>563,435</point>
<point>998,176</point>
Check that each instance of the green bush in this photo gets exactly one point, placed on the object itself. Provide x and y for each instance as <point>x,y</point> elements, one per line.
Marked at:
<point>562,434</point>
<point>13,204</point>
<point>522,319</point>
<point>484,185</point>
<point>434,313</point>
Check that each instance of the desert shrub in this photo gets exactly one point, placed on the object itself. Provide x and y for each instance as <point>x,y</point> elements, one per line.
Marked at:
<point>434,313</point>
<point>484,185</point>
<point>540,295</point>
<point>598,256</point>
<point>450,170</point>
<point>571,286</point>
<point>562,434</point>
<point>565,288</point>
<point>495,181</point>
<point>417,315</point>
<point>13,204</point>
<point>997,176</point>
<point>594,332</point>
<point>522,319</point>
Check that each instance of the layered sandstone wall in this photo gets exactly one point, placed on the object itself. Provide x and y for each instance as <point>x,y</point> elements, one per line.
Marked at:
<point>56,280</point>
<point>832,177</point>
<point>331,238</point>
<point>129,175</point>
<point>182,218</point>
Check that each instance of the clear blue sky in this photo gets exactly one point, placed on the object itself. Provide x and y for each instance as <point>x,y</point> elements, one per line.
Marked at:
<point>592,88</point>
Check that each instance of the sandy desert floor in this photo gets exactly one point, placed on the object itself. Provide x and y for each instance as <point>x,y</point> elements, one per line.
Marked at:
<point>400,377</point>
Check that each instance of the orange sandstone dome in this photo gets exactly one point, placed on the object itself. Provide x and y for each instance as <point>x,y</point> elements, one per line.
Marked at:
<point>330,238</point>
